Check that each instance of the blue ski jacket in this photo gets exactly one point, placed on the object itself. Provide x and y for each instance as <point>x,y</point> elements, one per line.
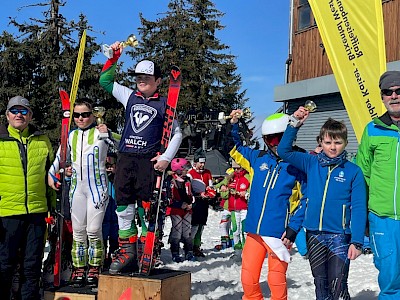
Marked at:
<point>337,199</point>
<point>275,185</point>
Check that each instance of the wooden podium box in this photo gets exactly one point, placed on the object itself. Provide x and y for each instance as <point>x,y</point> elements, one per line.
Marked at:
<point>161,284</point>
<point>71,293</point>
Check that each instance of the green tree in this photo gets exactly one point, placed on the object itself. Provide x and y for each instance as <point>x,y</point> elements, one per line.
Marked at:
<point>41,58</point>
<point>186,36</point>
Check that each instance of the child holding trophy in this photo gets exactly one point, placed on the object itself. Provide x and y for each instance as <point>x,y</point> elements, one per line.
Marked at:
<point>272,221</point>
<point>138,155</point>
<point>336,211</point>
<point>88,192</point>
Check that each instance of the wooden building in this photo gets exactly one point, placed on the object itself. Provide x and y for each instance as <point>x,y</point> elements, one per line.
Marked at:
<point>309,74</point>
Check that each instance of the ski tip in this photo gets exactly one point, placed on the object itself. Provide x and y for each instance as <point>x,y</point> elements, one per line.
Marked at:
<point>175,73</point>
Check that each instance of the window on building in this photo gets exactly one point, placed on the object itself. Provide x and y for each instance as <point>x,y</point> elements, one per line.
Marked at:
<point>305,17</point>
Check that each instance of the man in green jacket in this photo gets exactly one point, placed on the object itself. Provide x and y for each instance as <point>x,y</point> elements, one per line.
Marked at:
<point>379,158</point>
<point>25,198</point>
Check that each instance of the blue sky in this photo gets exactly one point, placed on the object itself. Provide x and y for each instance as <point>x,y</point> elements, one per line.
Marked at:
<point>256,30</point>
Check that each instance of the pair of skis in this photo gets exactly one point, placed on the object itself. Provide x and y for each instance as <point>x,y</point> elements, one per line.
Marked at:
<point>147,260</point>
<point>67,104</point>
<point>57,220</point>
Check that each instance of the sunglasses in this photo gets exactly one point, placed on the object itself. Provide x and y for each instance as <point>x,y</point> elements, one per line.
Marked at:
<point>85,114</point>
<point>388,92</point>
<point>16,111</point>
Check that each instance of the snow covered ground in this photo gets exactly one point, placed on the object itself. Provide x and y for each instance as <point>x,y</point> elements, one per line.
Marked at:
<point>217,276</point>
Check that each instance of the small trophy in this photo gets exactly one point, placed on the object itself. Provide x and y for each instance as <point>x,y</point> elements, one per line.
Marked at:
<point>246,114</point>
<point>310,106</point>
<point>99,112</point>
<point>130,41</point>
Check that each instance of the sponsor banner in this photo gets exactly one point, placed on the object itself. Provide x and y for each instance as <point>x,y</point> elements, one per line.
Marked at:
<point>353,36</point>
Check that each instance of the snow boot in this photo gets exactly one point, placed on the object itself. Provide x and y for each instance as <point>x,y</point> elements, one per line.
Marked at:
<point>176,257</point>
<point>125,259</point>
<point>78,277</point>
<point>93,276</point>
<point>197,251</point>
<point>189,256</point>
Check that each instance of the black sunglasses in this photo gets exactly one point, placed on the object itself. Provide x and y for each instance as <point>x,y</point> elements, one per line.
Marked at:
<point>388,92</point>
<point>16,111</point>
<point>85,114</point>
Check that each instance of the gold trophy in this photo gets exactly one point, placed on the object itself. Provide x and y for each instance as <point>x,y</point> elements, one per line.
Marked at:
<point>310,106</point>
<point>246,114</point>
<point>130,41</point>
<point>98,112</point>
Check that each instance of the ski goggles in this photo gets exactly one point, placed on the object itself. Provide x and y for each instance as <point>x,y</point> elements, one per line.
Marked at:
<point>273,139</point>
<point>84,115</point>
<point>16,111</point>
<point>388,92</point>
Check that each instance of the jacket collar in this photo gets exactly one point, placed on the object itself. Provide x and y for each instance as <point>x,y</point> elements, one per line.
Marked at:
<point>154,97</point>
<point>5,134</point>
<point>386,121</point>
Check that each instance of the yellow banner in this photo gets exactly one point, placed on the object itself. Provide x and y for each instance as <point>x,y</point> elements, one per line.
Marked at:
<point>353,37</point>
<point>77,73</point>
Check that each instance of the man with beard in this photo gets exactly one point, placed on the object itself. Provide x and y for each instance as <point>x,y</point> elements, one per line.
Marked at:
<point>378,157</point>
<point>202,190</point>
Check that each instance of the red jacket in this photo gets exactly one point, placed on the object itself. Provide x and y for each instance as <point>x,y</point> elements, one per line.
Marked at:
<point>239,183</point>
<point>181,193</point>
<point>200,181</point>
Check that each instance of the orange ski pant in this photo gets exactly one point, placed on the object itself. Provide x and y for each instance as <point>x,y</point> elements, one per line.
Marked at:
<point>254,252</point>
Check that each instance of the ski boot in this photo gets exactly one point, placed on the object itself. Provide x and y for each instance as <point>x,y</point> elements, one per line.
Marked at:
<point>78,277</point>
<point>93,276</point>
<point>197,251</point>
<point>140,246</point>
<point>125,259</point>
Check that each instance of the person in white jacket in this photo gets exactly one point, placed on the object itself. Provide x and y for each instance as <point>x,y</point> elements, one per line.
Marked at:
<point>88,194</point>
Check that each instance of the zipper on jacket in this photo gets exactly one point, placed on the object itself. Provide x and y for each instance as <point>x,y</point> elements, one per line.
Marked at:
<point>344,216</point>
<point>25,167</point>
<point>324,196</point>
<point>265,197</point>
<point>266,177</point>
<point>395,181</point>
<point>276,177</point>
<point>83,133</point>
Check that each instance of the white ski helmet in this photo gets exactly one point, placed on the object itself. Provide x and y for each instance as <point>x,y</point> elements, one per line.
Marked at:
<point>275,123</point>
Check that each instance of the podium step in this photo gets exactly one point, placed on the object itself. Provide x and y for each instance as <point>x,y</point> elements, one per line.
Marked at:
<point>161,284</point>
<point>71,293</point>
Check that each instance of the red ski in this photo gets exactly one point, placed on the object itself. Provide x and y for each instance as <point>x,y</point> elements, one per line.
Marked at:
<point>147,259</point>
<point>59,222</point>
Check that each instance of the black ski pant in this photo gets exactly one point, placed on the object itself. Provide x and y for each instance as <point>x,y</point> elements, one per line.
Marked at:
<point>327,254</point>
<point>22,234</point>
